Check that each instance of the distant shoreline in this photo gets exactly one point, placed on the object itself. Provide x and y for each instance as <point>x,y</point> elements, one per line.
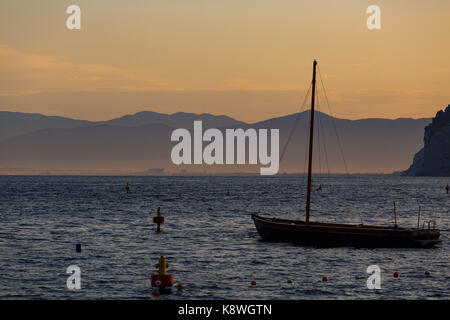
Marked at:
<point>189,174</point>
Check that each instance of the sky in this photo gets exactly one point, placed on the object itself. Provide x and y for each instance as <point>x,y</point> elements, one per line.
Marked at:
<point>249,59</point>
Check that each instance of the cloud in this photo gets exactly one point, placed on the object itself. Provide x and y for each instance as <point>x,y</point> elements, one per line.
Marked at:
<point>389,97</point>
<point>29,73</point>
<point>45,83</point>
<point>246,85</point>
<point>386,103</point>
<point>440,70</point>
<point>360,65</point>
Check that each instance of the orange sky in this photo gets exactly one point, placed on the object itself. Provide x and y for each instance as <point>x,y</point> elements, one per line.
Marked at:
<point>250,59</point>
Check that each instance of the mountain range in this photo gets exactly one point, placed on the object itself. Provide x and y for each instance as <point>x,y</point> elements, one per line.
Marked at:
<point>35,143</point>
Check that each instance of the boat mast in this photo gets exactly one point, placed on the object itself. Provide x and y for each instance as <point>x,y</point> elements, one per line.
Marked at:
<point>311,133</point>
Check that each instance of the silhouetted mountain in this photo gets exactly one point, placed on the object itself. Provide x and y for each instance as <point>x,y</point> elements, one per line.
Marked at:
<point>13,124</point>
<point>95,147</point>
<point>434,158</point>
<point>175,120</point>
<point>369,145</point>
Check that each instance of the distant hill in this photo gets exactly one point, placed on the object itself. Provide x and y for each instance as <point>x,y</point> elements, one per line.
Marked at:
<point>175,120</point>
<point>94,147</point>
<point>369,145</point>
<point>137,142</point>
<point>14,124</point>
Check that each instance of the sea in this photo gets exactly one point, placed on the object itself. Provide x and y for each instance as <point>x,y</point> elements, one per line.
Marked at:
<point>209,239</point>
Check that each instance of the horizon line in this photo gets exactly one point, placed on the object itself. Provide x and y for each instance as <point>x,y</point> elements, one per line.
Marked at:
<point>215,115</point>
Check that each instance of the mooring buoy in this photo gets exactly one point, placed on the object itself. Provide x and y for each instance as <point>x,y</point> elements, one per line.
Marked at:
<point>158,220</point>
<point>162,279</point>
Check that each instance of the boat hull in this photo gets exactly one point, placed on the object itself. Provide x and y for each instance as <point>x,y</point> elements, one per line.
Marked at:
<point>343,235</point>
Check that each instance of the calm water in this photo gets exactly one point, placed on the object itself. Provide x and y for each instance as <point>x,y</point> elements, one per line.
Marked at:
<point>209,238</point>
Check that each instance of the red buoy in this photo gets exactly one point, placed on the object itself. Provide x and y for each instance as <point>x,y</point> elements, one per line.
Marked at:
<point>162,280</point>
<point>253,283</point>
<point>159,219</point>
<point>180,286</point>
<point>156,293</point>
<point>324,279</point>
<point>395,274</point>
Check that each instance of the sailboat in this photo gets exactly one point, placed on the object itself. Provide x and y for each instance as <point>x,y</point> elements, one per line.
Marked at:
<point>308,233</point>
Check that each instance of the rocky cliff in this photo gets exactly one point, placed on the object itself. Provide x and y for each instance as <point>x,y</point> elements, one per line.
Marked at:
<point>434,158</point>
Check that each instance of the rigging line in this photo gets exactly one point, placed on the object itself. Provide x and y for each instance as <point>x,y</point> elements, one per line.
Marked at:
<point>304,175</point>
<point>318,138</point>
<point>321,144</point>
<point>306,146</point>
<point>295,124</point>
<point>337,135</point>
<point>322,131</point>
<point>334,124</point>
<point>305,157</point>
<point>322,139</point>
<point>324,144</point>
